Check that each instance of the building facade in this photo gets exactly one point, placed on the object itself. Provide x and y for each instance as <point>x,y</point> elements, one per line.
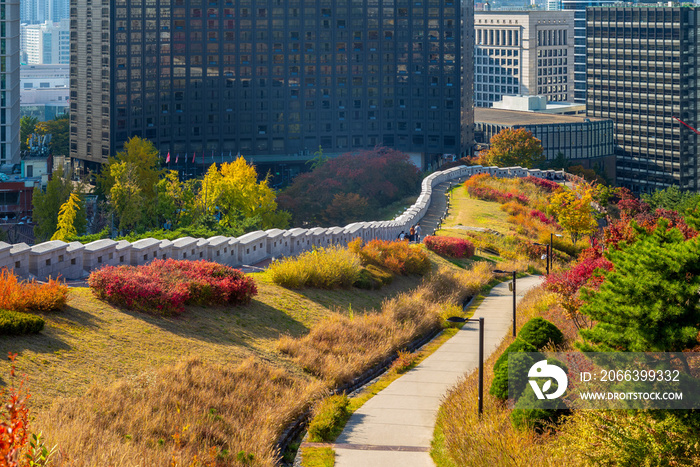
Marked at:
<point>44,91</point>
<point>40,11</point>
<point>641,73</point>
<point>47,43</point>
<point>271,79</point>
<point>523,53</point>
<point>9,82</point>
<point>577,138</point>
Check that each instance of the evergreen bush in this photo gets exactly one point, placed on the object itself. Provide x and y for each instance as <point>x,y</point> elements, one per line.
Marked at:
<point>539,332</point>
<point>13,323</point>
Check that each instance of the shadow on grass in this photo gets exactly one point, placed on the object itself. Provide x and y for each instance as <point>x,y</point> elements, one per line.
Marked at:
<point>359,300</point>
<point>241,325</point>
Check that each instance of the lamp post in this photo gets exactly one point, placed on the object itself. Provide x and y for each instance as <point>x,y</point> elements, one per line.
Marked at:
<point>457,319</point>
<point>499,271</point>
<point>546,255</point>
<point>550,260</point>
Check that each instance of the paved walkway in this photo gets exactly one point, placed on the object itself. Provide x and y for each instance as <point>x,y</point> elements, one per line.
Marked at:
<point>395,427</point>
<point>438,203</point>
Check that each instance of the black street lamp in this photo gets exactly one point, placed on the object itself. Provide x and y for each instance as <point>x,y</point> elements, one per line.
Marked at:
<point>550,260</point>
<point>499,271</point>
<point>546,255</point>
<point>457,319</point>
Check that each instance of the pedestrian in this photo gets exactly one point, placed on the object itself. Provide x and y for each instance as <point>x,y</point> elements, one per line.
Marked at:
<point>402,235</point>
<point>412,234</point>
<point>417,229</point>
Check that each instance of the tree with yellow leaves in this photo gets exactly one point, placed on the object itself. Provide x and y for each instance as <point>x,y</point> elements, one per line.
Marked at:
<point>234,193</point>
<point>574,210</point>
<point>66,219</point>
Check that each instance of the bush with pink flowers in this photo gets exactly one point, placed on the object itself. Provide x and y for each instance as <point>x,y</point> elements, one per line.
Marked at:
<point>450,246</point>
<point>164,286</point>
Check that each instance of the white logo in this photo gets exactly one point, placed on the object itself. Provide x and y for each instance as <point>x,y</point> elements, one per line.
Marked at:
<point>543,370</point>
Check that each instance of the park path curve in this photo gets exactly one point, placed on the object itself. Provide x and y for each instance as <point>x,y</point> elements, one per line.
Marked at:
<point>395,427</point>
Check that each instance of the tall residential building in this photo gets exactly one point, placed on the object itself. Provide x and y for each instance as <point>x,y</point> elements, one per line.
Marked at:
<point>642,71</point>
<point>273,79</point>
<point>523,53</point>
<point>9,82</point>
<point>40,11</point>
<point>45,44</point>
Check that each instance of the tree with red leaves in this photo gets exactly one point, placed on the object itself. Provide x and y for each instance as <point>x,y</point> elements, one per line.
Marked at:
<point>362,182</point>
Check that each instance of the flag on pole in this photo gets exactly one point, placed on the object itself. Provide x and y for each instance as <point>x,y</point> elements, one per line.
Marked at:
<point>222,157</point>
<point>229,154</point>
<point>194,155</point>
<point>177,157</point>
<point>167,159</point>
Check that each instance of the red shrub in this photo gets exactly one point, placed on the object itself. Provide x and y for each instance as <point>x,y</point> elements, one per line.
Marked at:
<point>543,217</point>
<point>14,423</point>
<point>165,286</point>
<point>548,185</point>
<point>450,246</point>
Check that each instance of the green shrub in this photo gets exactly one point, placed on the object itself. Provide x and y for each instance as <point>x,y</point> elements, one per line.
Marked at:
<point>515,370</point>
<point>15,323</point>
<point>324,268</point>
<point>536,419</point>
<point>329,418</point>
<point>373,277</point>
<point>539,332</point>
<point>518,345</point>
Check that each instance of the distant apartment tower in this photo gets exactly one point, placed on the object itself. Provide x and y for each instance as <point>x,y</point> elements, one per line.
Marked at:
<point>45,44</point>
<point>9,82</point>
<point>273,79</point>
<point>523,53</point>
<point>40,11</point>
<point>642,70</point>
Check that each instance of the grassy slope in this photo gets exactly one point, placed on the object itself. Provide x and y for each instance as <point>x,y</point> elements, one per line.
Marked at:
<point>471,212</point>
<point>92,341</point>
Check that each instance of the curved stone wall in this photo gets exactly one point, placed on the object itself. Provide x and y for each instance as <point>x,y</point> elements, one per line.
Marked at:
<point>75,260</point>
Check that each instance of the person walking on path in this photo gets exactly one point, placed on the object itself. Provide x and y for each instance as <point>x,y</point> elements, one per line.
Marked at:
<point>412,234</point>
<point>417,230</point>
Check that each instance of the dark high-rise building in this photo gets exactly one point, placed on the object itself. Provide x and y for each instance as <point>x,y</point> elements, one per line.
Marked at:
<point>642,71</point>
<point>579,9</point>
<point>273,79</point>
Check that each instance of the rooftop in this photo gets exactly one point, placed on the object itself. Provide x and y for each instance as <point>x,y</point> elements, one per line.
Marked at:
<point>514,117</point>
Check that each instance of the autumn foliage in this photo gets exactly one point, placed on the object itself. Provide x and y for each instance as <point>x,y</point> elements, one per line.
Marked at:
<point>351,187</point>
<point>399,257</point>
<point>14,424</point>
<point>450,246</point>
<point>165,286</point>
<point>568,283</point>
<point>31,296</point>
<point>514,147</point>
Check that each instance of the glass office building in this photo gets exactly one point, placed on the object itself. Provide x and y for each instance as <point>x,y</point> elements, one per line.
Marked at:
<point>271,79</point>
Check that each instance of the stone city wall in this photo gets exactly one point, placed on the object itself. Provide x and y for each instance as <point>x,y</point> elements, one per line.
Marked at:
<point>74,260</point>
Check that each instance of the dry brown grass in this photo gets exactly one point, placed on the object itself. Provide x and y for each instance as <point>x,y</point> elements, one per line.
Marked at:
<point>461,438</point>
<point>342,347</point>
<point>453,286</point>
<point>191,413</point>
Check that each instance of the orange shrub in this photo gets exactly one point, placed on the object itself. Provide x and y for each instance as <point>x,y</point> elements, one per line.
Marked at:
<point>400,257</point>
<point>26,296</point>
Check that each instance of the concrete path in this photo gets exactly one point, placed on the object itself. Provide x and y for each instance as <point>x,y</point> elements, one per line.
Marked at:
<point>395,427</point>
<point>438,203</point>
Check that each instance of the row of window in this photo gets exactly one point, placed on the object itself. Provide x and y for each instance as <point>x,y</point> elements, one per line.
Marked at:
<point>481,72</point>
